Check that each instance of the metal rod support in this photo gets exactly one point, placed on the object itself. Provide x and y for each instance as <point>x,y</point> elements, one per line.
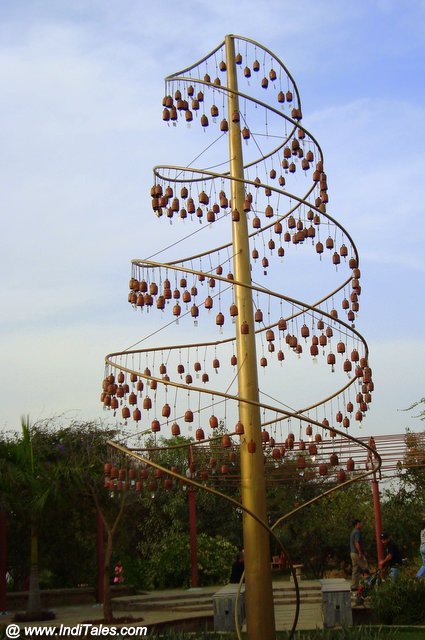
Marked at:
<point>259,592</point>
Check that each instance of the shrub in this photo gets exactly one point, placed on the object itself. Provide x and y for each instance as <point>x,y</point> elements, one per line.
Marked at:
<point>400,601</point>
<point>168,565</point>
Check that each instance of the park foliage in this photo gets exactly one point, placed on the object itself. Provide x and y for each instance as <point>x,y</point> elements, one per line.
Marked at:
<point>52,485</point>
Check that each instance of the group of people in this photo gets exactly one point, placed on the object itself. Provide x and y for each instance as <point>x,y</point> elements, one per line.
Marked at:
<point>391,563</point>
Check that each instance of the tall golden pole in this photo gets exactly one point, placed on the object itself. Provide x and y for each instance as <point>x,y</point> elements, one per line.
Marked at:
<point>258,582</point>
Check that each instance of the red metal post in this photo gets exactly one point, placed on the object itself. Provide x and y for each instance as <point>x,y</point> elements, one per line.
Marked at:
<point>377,511</point>
<point>3,561</point>
<point>193,541</point>
<point>100,594</point>
<point>376,501</point>
<point>194,578</point>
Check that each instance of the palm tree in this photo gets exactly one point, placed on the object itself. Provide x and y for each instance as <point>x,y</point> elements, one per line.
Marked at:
<point>36,486</point>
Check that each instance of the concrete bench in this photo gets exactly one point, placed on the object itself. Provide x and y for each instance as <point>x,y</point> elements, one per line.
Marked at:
<point>224,604</point>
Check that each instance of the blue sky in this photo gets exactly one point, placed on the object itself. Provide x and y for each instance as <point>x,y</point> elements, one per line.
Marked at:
<point>81,128</point>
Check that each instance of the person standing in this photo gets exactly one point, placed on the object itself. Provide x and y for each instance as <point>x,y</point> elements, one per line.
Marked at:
<point>421,572</point>
<point>393,558</point>
<point>119,573</point>
<point>358,559</point>
<point>238,568</point>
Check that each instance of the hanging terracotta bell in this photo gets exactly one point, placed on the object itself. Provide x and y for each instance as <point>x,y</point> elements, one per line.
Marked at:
<point>301,462</point>
<point>175,429</point>
<point>224,126</point>
<point>350,464</point>
<point>194,311</point>
<point>312,449</point>
<point>168,484</point>
<point>347,366</point>
<point>252,447</point>
<point>244,327</point>
<point>107,468</point>
<point>219,320</point>
<point>176,310</point>
<point>305,331</point>
<point>258,316</point>
<point>155,426</point>
<point>166,411</point>
<point>340,347</point>
<point>341,476</point>
<point>334,459</point>
<point>239,428</point>
<point>188,416</point>
<point>226,441</point>
<point>276,454</point>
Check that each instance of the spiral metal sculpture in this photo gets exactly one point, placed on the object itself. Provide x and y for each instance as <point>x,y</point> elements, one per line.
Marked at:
<point>272,190</point>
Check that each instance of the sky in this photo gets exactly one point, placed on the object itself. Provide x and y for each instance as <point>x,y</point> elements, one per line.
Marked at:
<point>81,128</point>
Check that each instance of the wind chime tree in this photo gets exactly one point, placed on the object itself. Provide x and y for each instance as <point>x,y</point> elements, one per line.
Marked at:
<point>266,197</point>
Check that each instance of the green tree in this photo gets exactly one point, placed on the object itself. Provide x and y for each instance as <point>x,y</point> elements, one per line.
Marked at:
<point>318,536</point>
<point>53,487</point>
<point>37,484</point>
<point>85,446</point>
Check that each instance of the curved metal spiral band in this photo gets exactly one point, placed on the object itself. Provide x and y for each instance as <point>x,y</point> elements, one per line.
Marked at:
<point>158,383</point>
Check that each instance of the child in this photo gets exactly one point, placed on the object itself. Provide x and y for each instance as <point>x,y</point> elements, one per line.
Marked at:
<point>119,574</point>
<point>364,586</point>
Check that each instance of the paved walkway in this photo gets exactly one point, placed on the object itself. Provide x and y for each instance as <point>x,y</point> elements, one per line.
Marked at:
<point>174,605</point>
